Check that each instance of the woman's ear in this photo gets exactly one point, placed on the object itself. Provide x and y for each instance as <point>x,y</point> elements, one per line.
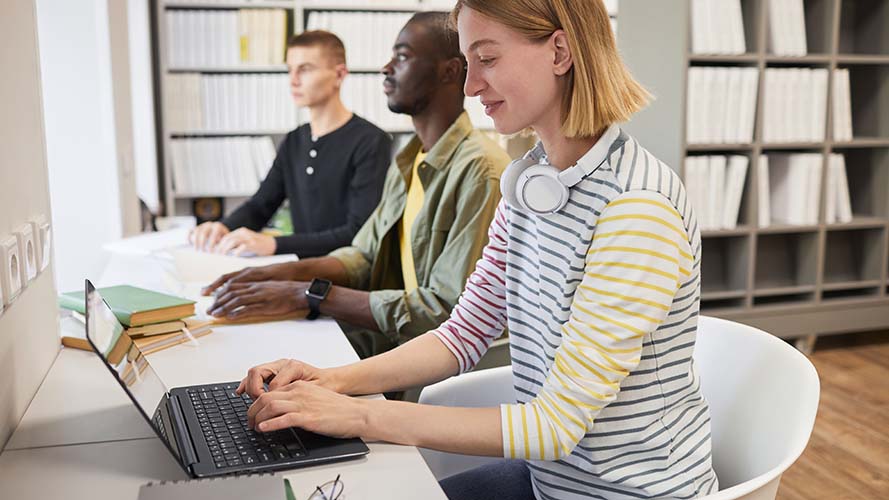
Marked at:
<point>562,58</point>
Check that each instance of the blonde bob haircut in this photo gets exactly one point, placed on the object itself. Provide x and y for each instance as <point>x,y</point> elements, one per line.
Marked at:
<point>598,89</point>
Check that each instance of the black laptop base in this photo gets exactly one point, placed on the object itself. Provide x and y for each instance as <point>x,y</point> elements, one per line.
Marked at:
<point>218,442</point>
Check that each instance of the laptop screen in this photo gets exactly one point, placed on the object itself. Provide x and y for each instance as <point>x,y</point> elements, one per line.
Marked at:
<point>134,373</point>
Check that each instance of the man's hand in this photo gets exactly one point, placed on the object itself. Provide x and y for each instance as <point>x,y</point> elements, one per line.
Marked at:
<point>270,298</point>
<point>207,235</point>
<point>282,271</point>
<point>242,241</point>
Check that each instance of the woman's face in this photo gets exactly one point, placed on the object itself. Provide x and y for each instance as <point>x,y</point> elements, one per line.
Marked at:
<point>513,76</point>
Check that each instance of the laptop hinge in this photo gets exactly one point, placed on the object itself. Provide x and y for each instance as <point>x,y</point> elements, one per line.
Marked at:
<point>183,438</point>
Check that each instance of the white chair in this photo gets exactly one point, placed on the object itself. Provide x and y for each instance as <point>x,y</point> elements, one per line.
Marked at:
<point>763,397</point>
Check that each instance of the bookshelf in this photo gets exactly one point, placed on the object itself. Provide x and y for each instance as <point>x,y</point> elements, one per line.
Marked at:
<point>795,281</point>
<point>366,49</point>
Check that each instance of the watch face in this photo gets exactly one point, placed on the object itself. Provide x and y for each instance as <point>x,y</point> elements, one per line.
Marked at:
<point>319,287</point>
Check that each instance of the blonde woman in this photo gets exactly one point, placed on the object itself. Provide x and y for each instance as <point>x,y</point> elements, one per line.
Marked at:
<point>593,265</point>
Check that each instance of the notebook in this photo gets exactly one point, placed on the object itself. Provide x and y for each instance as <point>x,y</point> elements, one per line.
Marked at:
<point>264,486</point>
<point>135,306</point>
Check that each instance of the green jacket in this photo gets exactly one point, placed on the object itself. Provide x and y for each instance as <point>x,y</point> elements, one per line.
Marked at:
<point>460,177</point>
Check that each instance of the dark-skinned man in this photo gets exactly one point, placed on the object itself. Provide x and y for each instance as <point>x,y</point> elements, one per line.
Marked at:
<point>409,262</point>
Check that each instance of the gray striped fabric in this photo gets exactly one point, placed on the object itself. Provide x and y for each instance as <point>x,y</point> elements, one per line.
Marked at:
<point>653,441</point>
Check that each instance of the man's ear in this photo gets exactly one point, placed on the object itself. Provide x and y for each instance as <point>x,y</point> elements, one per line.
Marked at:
<point>341,72</point>
<point>452,70</point>
<point>563,60</point>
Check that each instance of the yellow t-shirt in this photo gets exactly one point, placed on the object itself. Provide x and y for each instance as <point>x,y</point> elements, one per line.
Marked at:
<point>415,195</point>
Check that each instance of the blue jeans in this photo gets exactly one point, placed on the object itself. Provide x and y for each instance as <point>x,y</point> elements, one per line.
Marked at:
<point>507,479</point>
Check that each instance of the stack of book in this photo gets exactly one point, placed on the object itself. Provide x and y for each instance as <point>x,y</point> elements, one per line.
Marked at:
<point>152,321</point>
<point>232,166</point>
<point>226,38</point>
<point>789,188</point>
<point>715,186</point>
<point>717,27</point>
<point>787,28</point>
<point>842,105</point>
<point>795,104</point>
<point>721,104</point>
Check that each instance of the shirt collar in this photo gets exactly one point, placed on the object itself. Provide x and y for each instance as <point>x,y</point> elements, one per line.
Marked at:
<point>441,153</point>
<point>590,161</point>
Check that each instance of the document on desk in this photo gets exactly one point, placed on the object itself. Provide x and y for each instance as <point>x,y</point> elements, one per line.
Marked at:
<point>193,270</point>
<point>193,266</point>
<point>150,243</point>
<point>225,488</point>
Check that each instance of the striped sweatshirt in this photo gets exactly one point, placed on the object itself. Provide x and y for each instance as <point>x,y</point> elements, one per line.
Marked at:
<point>601,301</point>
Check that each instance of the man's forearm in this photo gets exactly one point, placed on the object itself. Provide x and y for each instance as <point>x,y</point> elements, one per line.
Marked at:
<point>329,268</point>
<point>351,306</point>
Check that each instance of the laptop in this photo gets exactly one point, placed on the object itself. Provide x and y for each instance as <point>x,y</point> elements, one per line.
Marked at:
<point>204,427</point>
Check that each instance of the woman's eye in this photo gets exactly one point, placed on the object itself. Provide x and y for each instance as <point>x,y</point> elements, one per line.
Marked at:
<point>485,61</point>
<point>400,57</point>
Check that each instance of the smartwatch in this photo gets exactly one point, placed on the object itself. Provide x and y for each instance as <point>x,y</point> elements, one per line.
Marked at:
<point>317,292</point>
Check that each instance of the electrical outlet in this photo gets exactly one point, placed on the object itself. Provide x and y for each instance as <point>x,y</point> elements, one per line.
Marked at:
<point>42,232</point>
<point>27,253</point>
<point>11,273</point>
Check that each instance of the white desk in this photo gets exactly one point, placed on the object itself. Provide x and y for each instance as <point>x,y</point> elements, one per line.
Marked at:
<point>81,438</point>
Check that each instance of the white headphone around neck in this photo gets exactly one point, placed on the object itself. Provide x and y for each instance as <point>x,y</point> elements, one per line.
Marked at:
<point>536,186</point>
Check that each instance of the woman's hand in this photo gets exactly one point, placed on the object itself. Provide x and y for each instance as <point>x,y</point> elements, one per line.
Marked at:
<point>282,373</point>
<point>311,407</point>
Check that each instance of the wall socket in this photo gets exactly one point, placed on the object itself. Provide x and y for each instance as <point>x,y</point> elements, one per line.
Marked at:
<point>11,271</point>
<point>42,232</point>
<point>28,260</point>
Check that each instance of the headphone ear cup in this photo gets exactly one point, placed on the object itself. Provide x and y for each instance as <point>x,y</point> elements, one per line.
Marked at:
<point>510,177</point>
<point>540,191</point>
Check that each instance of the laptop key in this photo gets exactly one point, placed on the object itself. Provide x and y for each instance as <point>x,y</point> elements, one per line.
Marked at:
<point>265,456</point>
<point>295,449</point>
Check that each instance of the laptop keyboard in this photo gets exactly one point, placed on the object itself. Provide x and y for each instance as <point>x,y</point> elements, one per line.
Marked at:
<point>223,418</point>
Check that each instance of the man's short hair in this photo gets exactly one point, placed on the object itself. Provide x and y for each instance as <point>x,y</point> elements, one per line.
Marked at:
<point>330,44</point>
<point>444,37</point>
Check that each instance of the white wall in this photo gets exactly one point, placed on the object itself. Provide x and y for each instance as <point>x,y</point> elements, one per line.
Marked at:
<point>142,90</point>
<point>29,338</point>
<point>81,141</point>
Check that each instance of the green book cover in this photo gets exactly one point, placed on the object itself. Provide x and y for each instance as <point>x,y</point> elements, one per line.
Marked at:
<point>125,301</point>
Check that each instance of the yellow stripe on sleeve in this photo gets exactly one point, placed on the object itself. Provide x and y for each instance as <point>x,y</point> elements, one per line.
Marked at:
<point>511,436</point>
<point>643,251</point>
<point>525,433</point>
<point>645,217</point>
<point>650,303</point>
<point>647,269</point>
<point>539,431</point>
<point>640,284</point>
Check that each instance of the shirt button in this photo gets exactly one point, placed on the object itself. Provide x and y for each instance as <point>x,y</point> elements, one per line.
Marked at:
<point>310,170</point>
<point>312,153</point>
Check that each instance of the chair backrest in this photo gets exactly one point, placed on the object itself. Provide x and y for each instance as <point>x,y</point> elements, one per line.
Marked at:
<point>763,397</point>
